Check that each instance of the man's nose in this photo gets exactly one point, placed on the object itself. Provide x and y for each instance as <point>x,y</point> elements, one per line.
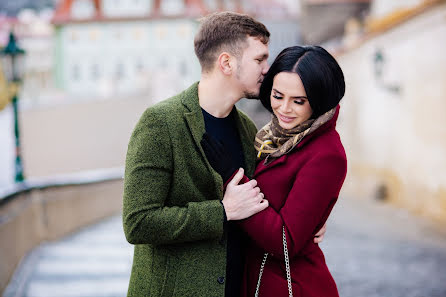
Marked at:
<point>265,69</point>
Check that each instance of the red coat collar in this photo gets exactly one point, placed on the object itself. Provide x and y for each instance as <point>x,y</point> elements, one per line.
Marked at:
<point>330,125</point>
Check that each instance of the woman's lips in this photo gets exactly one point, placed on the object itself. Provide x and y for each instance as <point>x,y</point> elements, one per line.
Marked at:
<point>286,119</point>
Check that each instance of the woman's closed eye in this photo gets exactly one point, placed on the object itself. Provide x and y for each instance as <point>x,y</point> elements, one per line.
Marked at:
<point>297,101</point>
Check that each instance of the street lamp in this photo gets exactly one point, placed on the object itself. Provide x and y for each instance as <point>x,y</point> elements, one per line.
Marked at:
<point>379,62</point>
<point>12,64</point>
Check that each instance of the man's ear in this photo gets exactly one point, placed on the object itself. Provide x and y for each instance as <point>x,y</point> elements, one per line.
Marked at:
<point>225,63</point>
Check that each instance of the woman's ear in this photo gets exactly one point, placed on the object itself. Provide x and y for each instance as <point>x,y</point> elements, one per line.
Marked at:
<point>224,62</point>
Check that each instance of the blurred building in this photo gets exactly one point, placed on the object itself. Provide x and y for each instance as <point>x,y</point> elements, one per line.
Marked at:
<point>135,55</point>
<point>323,20</point>
<point>107,47</point>
<point>392,117</point>
<point>36,36</point>
<point>34,33</point>
<point>13,8</point>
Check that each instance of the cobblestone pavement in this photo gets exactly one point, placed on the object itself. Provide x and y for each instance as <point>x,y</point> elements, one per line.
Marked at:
<point>372,250</point>
<point>375,250</point>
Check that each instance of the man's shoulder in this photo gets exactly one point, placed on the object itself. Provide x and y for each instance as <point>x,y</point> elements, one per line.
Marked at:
<point>166,106</point>
<point>165,110</point>
<point>172,106</point>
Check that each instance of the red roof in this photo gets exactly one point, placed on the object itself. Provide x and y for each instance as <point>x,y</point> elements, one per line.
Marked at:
<point>194,8</point>
<point>335,1</point>
<point>63,11</point>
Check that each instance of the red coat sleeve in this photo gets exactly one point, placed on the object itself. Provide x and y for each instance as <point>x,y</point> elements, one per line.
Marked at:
<point>307,206</point>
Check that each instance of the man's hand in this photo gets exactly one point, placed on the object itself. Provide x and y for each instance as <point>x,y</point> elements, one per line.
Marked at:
<point>242,201</point>
<point>319,237</point>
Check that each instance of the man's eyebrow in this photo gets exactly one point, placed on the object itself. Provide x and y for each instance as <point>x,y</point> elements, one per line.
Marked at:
<point>263,56</point>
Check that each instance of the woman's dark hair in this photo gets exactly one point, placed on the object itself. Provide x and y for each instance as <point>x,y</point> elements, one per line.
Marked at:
<point>321,76</point>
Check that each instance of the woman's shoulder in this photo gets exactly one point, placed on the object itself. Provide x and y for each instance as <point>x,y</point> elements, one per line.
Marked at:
<point>326,150</point>
<point>326,143</point>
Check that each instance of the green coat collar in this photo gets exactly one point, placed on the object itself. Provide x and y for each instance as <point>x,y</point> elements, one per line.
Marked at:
<point>195,121</point>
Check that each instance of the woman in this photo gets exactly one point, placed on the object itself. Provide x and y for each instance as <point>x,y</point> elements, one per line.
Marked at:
<point>301,169</point>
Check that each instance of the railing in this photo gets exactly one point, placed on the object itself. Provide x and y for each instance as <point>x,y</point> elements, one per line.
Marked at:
<point>48,208</point>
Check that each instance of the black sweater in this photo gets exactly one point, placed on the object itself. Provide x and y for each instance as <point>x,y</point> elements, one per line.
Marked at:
<point>225,131</point>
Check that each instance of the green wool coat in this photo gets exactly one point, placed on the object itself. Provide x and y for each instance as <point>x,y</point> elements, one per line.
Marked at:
<point>172,211</point>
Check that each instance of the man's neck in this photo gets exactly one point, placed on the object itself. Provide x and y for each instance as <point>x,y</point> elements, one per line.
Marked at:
<point>216,97</point>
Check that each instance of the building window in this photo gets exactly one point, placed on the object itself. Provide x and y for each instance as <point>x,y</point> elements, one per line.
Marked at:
<point>138,33</point>
<point>139,66</point>
<point>161,32</point>
<point>82,9</point>
<point>172,7</point>
<point>162,64</point>
<point>74,36</point>
<point>94,34</point>
<point>118,34</point>
<point>95,73</point>
<point>119,71</point>
<point>184,31</point>
<point>75,72</point>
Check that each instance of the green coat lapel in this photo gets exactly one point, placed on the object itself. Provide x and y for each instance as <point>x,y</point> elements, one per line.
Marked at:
<point>193,115</point>
<point>195,122</point>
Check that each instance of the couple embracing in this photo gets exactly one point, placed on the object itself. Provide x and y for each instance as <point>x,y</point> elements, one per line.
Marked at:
<point>216,207</point>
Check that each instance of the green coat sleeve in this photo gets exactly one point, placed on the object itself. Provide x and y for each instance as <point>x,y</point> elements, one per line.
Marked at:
<point>148,178</point>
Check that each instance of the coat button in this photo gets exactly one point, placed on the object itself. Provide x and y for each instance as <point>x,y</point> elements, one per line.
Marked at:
<point>221,280</point>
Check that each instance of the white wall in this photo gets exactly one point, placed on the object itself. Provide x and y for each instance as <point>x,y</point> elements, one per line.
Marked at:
<point>380,8</point>
<point>127,55</point>
<point>399,139</point>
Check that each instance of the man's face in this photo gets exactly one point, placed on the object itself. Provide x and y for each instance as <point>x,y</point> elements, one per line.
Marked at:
<point>252,67</point>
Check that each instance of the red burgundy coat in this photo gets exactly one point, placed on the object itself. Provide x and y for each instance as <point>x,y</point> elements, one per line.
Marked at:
<point>302,188</point>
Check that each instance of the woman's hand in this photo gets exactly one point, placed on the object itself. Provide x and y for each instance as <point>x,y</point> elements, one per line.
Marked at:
<point>319,237</point>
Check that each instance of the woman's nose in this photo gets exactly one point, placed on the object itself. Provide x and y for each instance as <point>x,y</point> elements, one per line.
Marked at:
<point>286,107</point>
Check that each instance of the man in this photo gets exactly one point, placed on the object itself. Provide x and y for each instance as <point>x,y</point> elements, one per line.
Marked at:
<point>175,211</point>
